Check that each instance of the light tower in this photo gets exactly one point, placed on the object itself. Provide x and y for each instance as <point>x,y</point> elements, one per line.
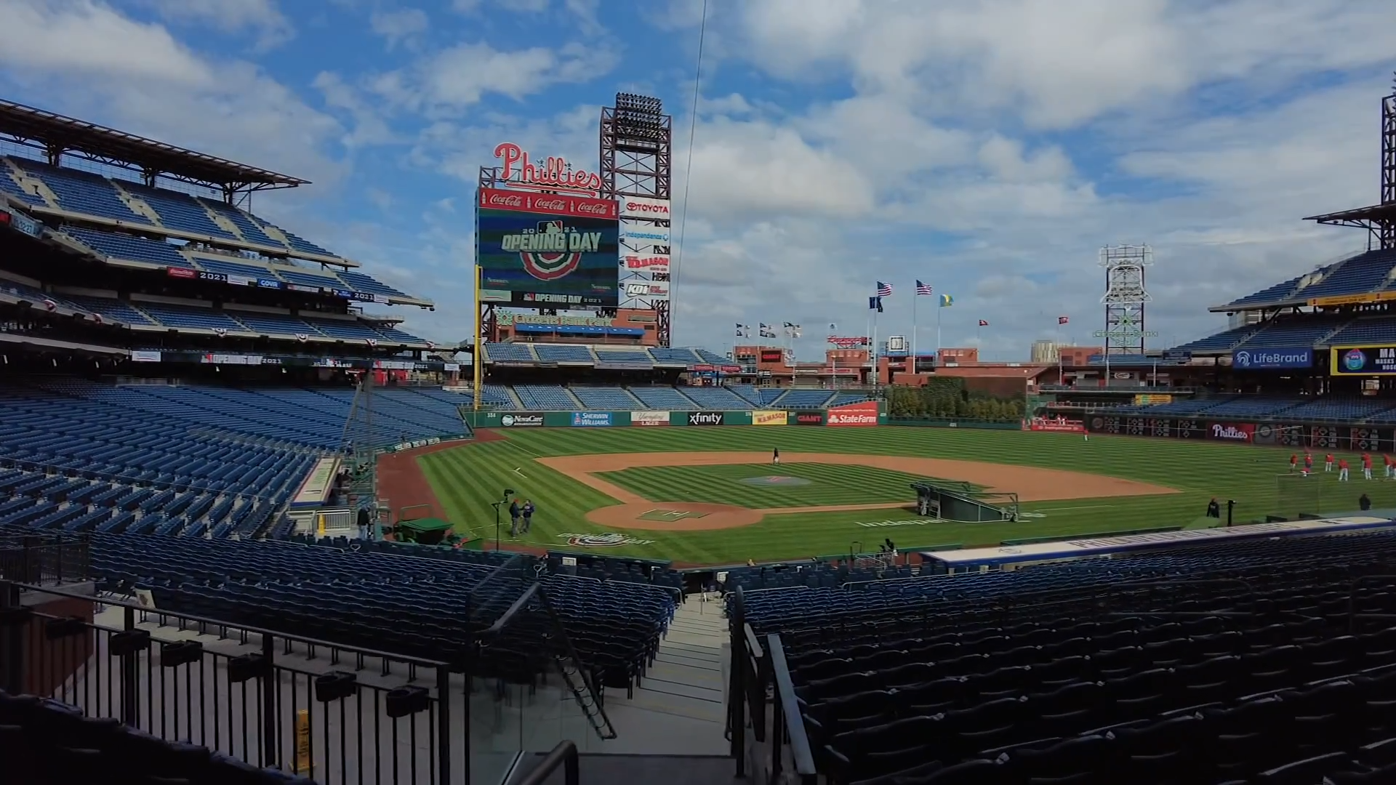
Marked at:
<point>1124,299</point>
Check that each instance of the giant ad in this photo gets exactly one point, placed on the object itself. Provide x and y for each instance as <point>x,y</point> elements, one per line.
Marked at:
<point>1363,360</point>
<point>547,250</point>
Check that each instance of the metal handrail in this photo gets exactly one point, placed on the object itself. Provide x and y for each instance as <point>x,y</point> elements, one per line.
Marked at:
<point>565,755</point>
<point>787,707</point>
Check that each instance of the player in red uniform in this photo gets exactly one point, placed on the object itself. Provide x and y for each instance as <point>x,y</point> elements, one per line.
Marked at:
<point>1342,470</point>
<point>1328,462</point>
<point>1293,461</point>
<point>1390,466</point>
<point>1308,462</point>
<point>1367,465</point>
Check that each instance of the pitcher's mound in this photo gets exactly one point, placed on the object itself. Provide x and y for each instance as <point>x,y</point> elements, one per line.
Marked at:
<point>674,516</point>
<point>772,480</point>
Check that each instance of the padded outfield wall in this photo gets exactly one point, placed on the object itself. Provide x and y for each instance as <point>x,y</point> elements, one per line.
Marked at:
<point>856,415</point>
<point>1277,432</point>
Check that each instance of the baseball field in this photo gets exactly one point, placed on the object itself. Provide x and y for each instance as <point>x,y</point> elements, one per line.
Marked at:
<point>711,496</point>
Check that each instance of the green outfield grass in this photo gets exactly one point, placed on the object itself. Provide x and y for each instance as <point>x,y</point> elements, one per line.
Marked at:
<point>828,484</point>
<point>468,478</point>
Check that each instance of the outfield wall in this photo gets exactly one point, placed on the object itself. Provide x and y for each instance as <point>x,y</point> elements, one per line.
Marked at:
<point>857,415</point>
<point>1381,438</point>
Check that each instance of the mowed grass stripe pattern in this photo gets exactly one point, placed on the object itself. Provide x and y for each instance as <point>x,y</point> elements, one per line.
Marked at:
<point>829,485</point>
<point>467,479</point>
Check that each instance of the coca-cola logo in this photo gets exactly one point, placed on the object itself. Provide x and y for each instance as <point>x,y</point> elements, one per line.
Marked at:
<point>1230,432</point>
<point>498,200</point>
<point>594,209</point>
<point>560,205</point>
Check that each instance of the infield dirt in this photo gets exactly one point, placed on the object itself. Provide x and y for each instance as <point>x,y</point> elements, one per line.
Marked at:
<point>1032,484</point>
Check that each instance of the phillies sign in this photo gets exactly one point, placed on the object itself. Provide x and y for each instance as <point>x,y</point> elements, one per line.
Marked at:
<point>552,172</point>
<point>854,415</point>
<point>551,204</point>
<point>1240,432</point>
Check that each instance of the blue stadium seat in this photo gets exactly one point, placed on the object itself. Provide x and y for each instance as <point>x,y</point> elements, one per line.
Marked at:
<point>664,355</point>
<point>804,399</point>
<point>636,358</point>
<point>719,398</point>
<point>1359,274</point>
<point>115,310</point>
<point>178,211</point>
<point>82,192</point>
<point>1223,341</point>
<point>11,187</point>
<point>250,231</point>
<point>510,352</point>
<point>360,282</point>
<point>561,353</point>
<point>188,317</point>
<point>1279,293</point>
<point>545,397</point>
<point>1365,331</point>
<point>229,267</point>
<point>1305,330</point>
<point>748,393</point>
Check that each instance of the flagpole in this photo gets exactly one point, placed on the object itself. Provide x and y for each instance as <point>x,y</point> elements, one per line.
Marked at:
<point>877,371</point>
<point>939,307</point>
<point>915,295</point>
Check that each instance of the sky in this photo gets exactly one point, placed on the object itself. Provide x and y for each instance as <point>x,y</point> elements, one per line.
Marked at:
<point>989,148</point>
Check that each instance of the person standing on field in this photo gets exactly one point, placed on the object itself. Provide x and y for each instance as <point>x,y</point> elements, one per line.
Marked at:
<point>775,457</point>
<point>1328,462</point>
<point>1342,470</point>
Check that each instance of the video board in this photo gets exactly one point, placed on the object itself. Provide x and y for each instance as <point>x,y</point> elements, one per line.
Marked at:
<point>538,250</point>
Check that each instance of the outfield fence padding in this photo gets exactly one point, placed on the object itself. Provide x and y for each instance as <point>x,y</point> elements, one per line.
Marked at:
<point>1277,433</point>
<point>1014,425</point>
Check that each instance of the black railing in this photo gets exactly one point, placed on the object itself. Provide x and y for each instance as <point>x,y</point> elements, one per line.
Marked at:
<point>564,755</point>
<point>788,733</point>
<point>44,560</point>
<point>336,713</point>
<point>749,679</point>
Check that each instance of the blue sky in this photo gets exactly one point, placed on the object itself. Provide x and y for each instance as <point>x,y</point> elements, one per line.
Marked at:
<point>988,147</point>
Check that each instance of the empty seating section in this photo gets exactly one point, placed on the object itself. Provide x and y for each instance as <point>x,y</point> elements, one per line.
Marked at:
<point>228,267</point>
<point>1365,331</point>
<point>497,394</point>
<point>118,310</point>
<point>393,334</point>
<point>769,395</point>
<point>607,398</point>
<point>510,352</point>
<point>188,317</point>
<point>1180,406</point>
<point>82,192</point>
<point>363,283</point>
<point>1280,292</point>
<point>716,398</point>
<point>11,187</point>
<point>848,397</point>
<point>346,330</point>
<point>804,399</point>
<point>251,232</point>
<point>129,247</point>
<point>1362,273</point>
<point>559,353</point>
<point>322,280</point>
<point>664,355</point>
<point>1252,406</point>
<point>545,397</point>
<point>36,296</point>
<point>295,243</point>
<point>274,323</point>
<point>983,679</point>
<point>379,602</point>
<point>179,211</point>
<point>711,358</point>
<point>637,359</point>
<point>1299,331</point>
<point>747,392</point>
<point>1338,408</point>
<point>664,398</point>
<point>1221,342</point>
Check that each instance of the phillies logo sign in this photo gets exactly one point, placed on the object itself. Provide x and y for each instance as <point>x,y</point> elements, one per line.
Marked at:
<point>552,172</point>
<point>553,250</point>
<point>1233,433</point>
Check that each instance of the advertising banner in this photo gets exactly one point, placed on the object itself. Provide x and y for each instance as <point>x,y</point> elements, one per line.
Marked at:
<point>643,236</point>
<point>650,290</point>
<point>644,262</point>
<point>536,250</point>
<point>854,415</point>
<point>1056,425</point>
<point>808,418</point>
<point>1272,359</point>
<point>649,419</point>
<point>705,418</point>
<point>591,419</point>
<point>521,420</point>
<point>1232,432</point>
<point>770,418</point>
<point>1363,360</point>
<point>644,207</point>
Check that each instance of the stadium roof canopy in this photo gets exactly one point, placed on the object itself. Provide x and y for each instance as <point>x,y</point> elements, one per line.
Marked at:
<point>1371,217</point>
<point>57,134</point>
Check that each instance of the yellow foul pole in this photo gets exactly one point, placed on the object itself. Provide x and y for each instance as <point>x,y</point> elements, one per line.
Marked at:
<point>479,339</point>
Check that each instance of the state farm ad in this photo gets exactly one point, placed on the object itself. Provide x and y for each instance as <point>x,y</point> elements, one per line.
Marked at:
<point>854,415</point>
<point>1243,433</point>
<point>1056,424</point>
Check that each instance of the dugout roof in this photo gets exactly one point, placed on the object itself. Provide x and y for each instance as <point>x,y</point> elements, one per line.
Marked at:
<point>31,127</point>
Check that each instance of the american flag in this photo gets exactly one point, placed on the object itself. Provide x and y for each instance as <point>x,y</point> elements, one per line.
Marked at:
<point>884,289</point>
<point>1063,319</point>
<point>983,322</point>
<point>923,289</point>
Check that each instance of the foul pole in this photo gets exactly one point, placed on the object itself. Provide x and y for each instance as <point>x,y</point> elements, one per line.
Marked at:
<point>478,366</point>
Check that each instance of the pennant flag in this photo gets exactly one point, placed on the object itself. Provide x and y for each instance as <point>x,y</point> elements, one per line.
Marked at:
<point>983,323</point>
<point>1063,320</point>
<point>50,305</point>
<point>872,303</point>
<point>946,301</point>
<point>923,289</point>
<point>833,326</point>
<point>884,289</point>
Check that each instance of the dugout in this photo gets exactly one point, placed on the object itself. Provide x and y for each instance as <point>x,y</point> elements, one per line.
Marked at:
<point>962,503</point>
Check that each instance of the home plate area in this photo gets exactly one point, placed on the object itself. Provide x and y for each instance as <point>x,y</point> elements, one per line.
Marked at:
<point>665,514</point>
<point>775,480</point>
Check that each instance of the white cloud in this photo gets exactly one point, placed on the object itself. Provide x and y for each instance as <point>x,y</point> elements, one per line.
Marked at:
<point>460,76</point>
<point>262,17</point>
<point>400,26</point>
